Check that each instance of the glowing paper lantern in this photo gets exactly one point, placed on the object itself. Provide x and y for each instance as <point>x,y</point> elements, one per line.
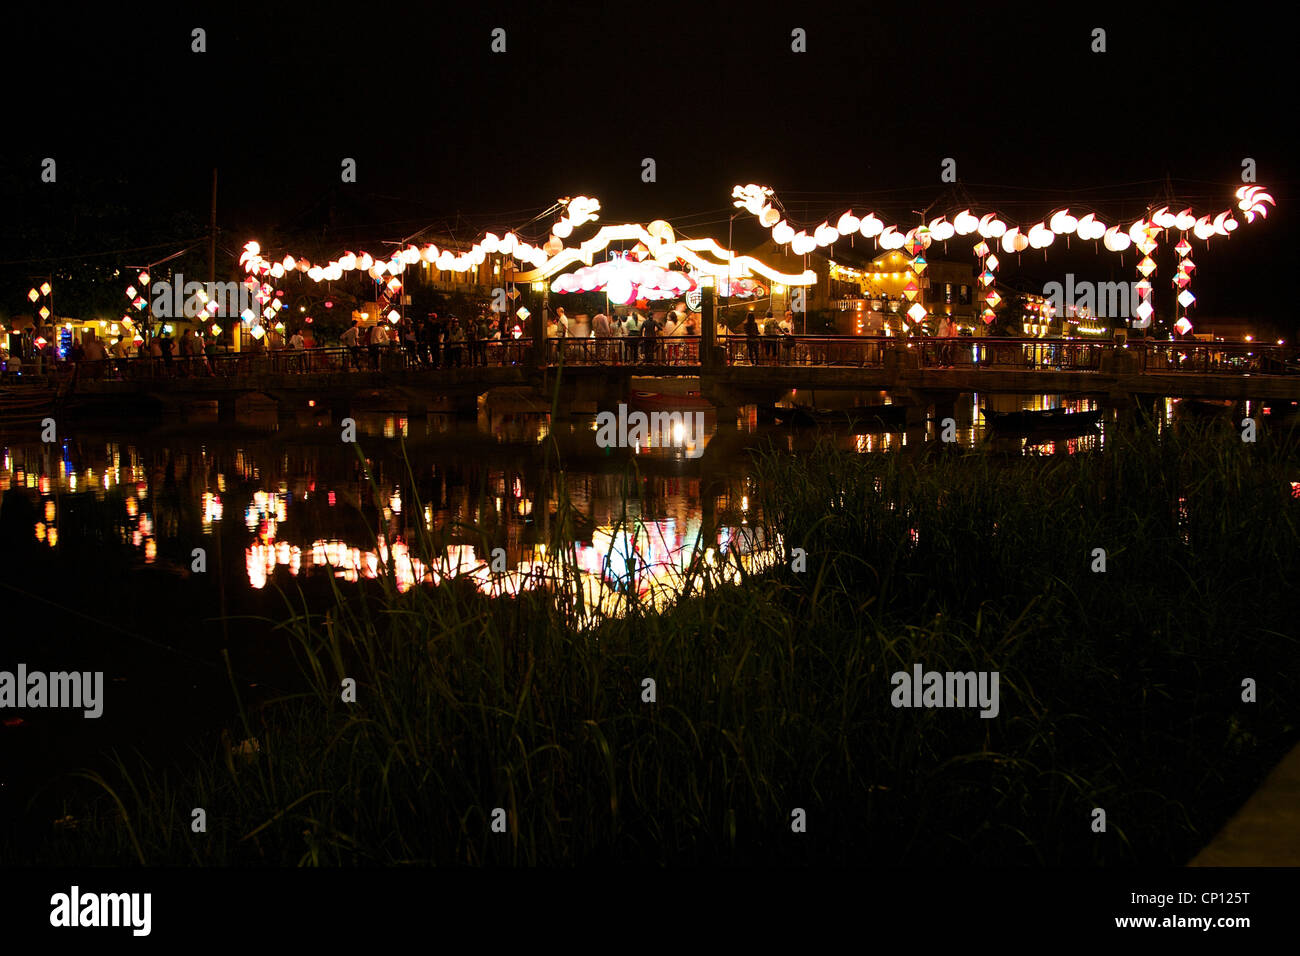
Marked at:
<point>917,312</point>
<point>871,226</point>
<point>33,295</point>
<point>1040,237</point>
<point>562,228</point>
<point>782,233</point>
<point>826,234</point>
<point>1013,241</point>
<point>1144,311</point>
<point>1183,326</point>
<point>1062,223</point>
<point>991,227</point>
<point>1146,267</point>
<point>769,216</point>
<point>1253,200</point>
<point>1164,218</point>
<point>1184,220</point>
<point>919,265</point>
<point>1185,298</point>
<point>941,230</point>
<point>910,290</point>
<point>1115,240</point>
<point>890,238</point>
<point>848,224</point>
<point>964,223</point>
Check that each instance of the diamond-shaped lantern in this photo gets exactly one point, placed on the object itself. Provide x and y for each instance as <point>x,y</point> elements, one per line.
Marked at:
<point>33,295</point>
<point>1183,326</point>
<point>919,264</point>
<point>917,312</point>
<point>144,278</point>
<point>44,313</point>
<point>910,290</point>
<point>1146,267</point>
<point>1146,247</point>
<point>1182,280</point>
<point>993,298</point>
<point>1144,311</point>
<point>993,262</point>
<point>988,314</point>
<point>131,292</point>
<point>986,278</point>
<point>982,249</point>
<point>1183,248</point>
<point>45,288</point>
<point>1185,298</point>
<point>139,302</point>
<point>1187,265</point>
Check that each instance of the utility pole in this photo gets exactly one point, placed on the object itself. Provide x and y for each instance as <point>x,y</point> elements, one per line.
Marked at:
<point>212,232</point>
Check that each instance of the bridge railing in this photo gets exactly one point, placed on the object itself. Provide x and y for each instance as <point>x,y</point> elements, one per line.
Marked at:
<point>684,351</point>
<point>1221,358</point>
<point>671,350</point>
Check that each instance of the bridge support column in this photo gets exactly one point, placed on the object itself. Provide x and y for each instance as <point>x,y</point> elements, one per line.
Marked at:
<point>226,410</point>
<point>175,413</point>
<point>465,407</point>
<point>417,420</point>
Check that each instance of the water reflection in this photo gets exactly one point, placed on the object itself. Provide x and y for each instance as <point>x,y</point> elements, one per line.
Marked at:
<point>271,507</point>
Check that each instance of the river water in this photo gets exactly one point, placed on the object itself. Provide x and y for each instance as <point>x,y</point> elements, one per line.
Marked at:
<point>146,550</point>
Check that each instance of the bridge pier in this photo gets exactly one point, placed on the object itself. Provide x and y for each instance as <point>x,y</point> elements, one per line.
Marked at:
<point>226,412</point>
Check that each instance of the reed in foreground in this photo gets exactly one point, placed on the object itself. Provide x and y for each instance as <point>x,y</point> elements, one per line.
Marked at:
<point>1119,689</point>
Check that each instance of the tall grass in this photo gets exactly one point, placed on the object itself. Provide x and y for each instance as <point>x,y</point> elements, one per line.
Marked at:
<point>1119,690</point>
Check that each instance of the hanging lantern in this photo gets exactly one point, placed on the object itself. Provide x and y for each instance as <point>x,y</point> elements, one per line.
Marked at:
<point>910,290</point>
<point>917,312</point>
<point>919,264</point>
<point>1146,267</point>
<point>1183,326</point>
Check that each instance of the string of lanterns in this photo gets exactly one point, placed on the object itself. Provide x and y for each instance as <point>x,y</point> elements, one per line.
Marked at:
<point>1252,201</point>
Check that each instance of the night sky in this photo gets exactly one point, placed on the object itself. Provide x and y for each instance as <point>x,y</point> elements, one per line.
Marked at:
<point>446,132</point>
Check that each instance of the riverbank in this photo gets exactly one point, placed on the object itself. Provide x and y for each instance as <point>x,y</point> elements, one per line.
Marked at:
<point>1120,689</point>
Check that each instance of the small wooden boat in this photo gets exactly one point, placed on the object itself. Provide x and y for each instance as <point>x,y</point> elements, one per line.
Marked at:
<point>1202,407</point>
<point>668,400</point>
<point>868,417</point>
<point>1055,421</point>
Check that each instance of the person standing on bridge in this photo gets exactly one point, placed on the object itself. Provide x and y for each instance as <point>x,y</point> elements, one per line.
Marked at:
<point>351,340</point>
<point>751,337</point>
<point>945,333</point>
<point>600,331</point>
<point>455,341</point>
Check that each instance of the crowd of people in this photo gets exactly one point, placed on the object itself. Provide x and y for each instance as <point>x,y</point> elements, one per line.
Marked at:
<point>621,336</point>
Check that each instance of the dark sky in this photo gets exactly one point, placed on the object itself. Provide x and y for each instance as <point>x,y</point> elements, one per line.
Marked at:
<point>440,125</point>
